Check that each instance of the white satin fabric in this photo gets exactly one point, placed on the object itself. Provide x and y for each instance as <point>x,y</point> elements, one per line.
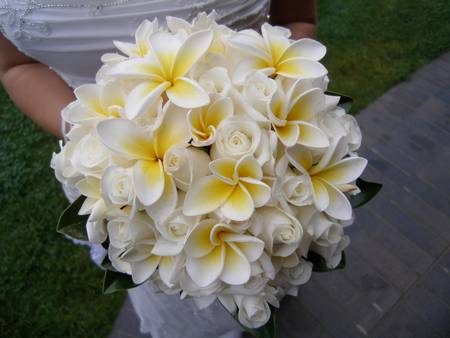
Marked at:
<point>70,36</point>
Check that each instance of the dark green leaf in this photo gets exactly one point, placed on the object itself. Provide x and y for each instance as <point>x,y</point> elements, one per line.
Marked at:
<point>106,264</point>
<point>320,264</point>
<point>345,102</point>
<point>368,191</point>
<point>70,223</point>
<point>114,281</point>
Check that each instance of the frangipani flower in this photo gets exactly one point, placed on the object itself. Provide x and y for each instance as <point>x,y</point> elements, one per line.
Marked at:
<point>151,183</point>
<point>273,53</point>
<point>94,103</point>
<point>164,70</point>
<point>290,116</point>
<point>142,44</point>
<point>204,121</point>
<point>330,177</point>
<point>235,187</point>
<point>216,251</point>
<point>95,207</point>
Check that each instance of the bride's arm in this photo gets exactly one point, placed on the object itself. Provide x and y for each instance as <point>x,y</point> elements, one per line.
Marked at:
<point>299,16</point>
<point>37,90</point>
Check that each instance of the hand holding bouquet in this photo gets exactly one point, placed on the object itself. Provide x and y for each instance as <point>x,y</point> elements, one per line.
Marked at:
<point>213,163</point>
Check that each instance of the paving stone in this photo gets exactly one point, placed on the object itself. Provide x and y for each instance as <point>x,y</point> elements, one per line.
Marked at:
<point>409,227</point>
<point>294,321</point>
<point>395,166</point>
<point>393,240</point>
<point>402,322</point>
<point>430,308</point>
<point>328,312</point>
<point>436,221</point>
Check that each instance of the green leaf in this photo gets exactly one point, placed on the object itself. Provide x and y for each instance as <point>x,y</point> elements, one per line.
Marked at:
<point>320,264</point>
<point>106,264</point>
<point>368,191</point>
<point>114,281</point>
<point>345,102</point>
<point>70,223</point>
<point>269,330</point>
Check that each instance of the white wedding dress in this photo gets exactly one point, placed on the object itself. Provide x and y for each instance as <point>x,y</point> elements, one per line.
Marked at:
<point>70,36</point>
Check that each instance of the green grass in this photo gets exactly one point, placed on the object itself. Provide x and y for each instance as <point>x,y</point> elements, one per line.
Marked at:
<point>49,288</point>
<point>373,45</point>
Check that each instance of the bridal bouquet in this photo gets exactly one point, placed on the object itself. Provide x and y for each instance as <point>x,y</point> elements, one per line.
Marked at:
<point>214,164</point>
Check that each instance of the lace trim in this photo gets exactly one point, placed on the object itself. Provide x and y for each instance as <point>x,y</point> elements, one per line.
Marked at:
<point>16,16</point>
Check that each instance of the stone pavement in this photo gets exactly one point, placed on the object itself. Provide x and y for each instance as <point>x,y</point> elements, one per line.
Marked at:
<point>397,279</point>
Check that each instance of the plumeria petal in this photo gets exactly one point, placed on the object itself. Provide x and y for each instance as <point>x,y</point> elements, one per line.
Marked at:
<point>148,179</point>
<point>166,203</point>
<point>143,96</point>
<point>307,105</point>
<point>250,246</point>
<point>239,206</point>
<point>305,48</point>
<point>344,171</point>
<point>207,269</point>
<point>172,131</point>
<point>223,168</point>
<point>259,191</point>
<point>198,243</point>
<point>206,195</point>
<point>89,96</point>
<point>191,51</point>
<point>288,134</point>
<point>142,270</point>
<point>320,194</point>
<point>251,43</point>
<point>219,111</point>
<point>138,69</point>
<point>187,93</point>
<point>236,269</point>
<point>300,157</point>
<point>248,66</point>
<point>339,206</point>
<point>165,46</point>
<point>277,43</point>
<point>248,166</point>
<point>297,68</point>
<point>312,136</point>
<point>112,94</point>
<point>126,138</point>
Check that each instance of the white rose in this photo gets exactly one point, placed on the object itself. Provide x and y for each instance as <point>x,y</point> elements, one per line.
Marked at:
<point>299,274</point>
<point>90,156</point>
<point>333,253</point>
<point>131,244</point>
<point>293,189</point>
<point>324,230</point>
<point>236,137</point>
<point>253,312</point>
<point>336,123</point>
<point>61,164</point>
<point>280,231</point>
<point>257,92</point>
<point>216,81</point>
<point>186,165</point>
<point>174,231</point>
<point>117,186</point>
<point>119,232</point>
